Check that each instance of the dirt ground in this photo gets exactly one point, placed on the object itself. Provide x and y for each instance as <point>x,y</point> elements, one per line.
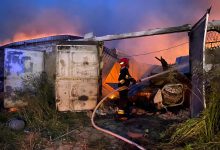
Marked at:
<point>144,128</point>
<point>147,130</point>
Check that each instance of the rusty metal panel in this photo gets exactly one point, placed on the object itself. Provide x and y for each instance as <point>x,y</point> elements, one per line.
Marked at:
<point>18,64</point>
<point>77,78</point>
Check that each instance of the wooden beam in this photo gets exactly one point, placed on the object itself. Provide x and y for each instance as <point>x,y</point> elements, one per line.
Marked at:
<point>213,25</point>
<point>158,31</point>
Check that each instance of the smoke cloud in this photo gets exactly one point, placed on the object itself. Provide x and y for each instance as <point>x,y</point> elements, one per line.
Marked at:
<point>25,19</point>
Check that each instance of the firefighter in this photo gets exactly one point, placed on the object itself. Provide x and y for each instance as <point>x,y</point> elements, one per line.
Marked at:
<point>124,80</point>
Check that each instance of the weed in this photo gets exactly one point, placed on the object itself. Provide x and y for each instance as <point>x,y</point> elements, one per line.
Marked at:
<point>43,121</point>
<point>9,139</point>
<point>205,129</point>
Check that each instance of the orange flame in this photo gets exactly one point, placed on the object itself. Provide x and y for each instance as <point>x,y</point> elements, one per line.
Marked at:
<point>47,23</point>
<point>23,36</point>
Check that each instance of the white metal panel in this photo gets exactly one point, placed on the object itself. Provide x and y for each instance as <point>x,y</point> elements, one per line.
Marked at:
<point>18,64</point>
<point>77,77</point>
<point>77,64</point>
<point>76,95</point>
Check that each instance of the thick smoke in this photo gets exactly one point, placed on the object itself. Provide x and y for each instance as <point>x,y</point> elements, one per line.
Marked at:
<point>25,19</point>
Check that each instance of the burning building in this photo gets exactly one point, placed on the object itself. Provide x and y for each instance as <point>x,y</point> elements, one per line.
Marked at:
<point>89,64</point>
<point>82,67</point>
<point>49,55</point>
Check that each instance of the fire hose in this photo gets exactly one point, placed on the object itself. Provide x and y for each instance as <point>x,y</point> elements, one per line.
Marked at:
<point>112,133</point>
<point>107,131</point>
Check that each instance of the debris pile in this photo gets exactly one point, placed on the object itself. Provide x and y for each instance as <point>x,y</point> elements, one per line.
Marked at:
<point>164,91</point>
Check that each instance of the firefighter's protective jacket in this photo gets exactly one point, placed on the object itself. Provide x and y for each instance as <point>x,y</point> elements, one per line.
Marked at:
<point>124,78</point>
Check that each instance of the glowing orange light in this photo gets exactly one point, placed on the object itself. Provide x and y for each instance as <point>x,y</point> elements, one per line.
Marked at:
<point>112,96</point>
<point>13,109</point>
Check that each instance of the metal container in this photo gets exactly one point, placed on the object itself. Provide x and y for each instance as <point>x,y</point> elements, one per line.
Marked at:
<point>78,75</point>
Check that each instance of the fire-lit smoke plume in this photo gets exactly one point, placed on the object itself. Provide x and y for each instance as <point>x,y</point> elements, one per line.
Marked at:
<point>215,11</point>
<point>165,44</point>
<point>25,19</point>
<point>171,45</point>
<point>46,23</point>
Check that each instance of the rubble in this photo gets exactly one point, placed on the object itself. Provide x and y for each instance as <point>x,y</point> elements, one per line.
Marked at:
<point>16,124</point>
<point>168,90</point>
<point>181,115</point>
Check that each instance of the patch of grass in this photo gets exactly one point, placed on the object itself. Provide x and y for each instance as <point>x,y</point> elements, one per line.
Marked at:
<point>205,130</point>
<point>9,139</point>
<point>44,123</point>
<point>3,118</point>
<point>40,114</point>
<point>188,147</point>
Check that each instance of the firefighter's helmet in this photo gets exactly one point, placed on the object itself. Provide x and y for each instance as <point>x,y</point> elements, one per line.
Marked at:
<point>124,62</point>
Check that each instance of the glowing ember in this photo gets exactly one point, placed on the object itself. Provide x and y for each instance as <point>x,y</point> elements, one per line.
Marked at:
<point>13,109</point>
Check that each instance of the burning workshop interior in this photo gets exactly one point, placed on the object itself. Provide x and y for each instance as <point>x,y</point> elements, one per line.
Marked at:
<point>39,55</point>
<point>26,58</point>
<point>84,71</point>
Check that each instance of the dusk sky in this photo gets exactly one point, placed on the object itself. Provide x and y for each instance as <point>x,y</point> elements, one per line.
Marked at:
<point>26,19</point>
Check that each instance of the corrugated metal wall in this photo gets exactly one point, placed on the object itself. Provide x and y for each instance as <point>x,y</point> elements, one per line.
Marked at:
<point>109,59</point>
